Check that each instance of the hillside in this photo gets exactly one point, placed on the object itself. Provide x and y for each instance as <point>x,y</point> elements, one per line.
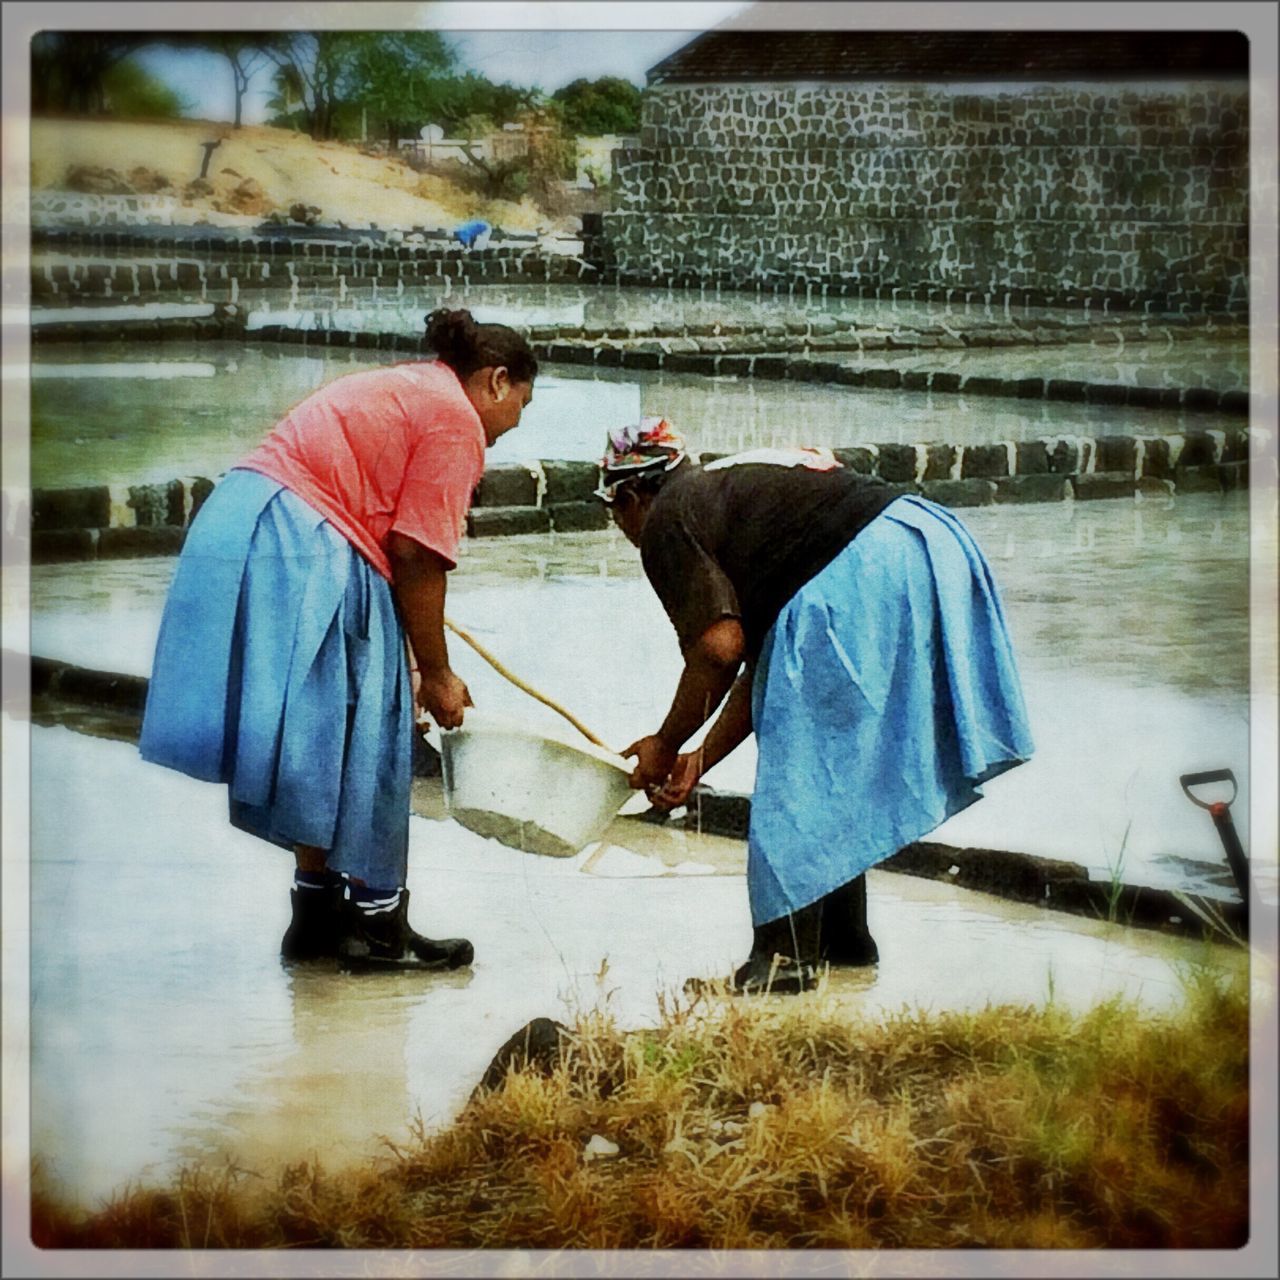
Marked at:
<point>255,170</point>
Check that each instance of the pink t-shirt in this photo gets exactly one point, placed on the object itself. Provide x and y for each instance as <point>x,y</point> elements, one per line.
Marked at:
<point>397,448</point>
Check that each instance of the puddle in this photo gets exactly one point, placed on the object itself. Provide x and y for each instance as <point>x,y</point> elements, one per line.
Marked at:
<point>164,1029</point>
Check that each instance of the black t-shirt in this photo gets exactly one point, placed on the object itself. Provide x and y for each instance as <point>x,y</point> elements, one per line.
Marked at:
<point>740,541</point>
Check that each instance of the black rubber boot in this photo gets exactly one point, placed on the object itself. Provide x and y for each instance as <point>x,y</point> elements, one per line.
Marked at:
<point>783,960</point>
<point>846,941</point>
<point>386,942</point>
<point>316,927</point>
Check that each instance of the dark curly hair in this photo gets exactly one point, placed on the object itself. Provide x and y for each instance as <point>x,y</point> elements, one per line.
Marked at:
<point>466,346</point>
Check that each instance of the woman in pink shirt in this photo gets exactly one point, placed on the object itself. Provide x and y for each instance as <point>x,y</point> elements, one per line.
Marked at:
<point>281,666</point>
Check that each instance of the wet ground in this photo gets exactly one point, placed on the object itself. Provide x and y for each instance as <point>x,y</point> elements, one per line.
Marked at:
<point>164,1028</point>
<point>134,413</point>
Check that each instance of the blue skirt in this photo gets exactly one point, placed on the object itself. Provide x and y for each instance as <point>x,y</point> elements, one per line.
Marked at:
<point>886,693</point>
<point>281,671</point>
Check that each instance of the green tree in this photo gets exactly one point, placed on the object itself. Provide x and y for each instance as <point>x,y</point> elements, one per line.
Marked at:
<point>594,107</point>
<point>69,68</point>
<point>130,92</point>
<point>401,79</point>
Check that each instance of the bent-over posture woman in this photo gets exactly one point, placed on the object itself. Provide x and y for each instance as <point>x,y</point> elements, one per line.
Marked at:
<point>858,632</point>
<point>281,667</point>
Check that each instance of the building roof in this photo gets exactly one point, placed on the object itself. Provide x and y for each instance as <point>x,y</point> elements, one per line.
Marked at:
<point>951,55</point>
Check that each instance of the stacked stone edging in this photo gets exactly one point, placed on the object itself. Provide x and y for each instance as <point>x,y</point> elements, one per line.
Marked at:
<point>738,350</point>
<point>118,264</point>
<point>1049,883</point>
<point>118,521</point>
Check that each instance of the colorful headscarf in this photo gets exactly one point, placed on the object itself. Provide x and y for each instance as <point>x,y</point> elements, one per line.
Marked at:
<point>639,449</point>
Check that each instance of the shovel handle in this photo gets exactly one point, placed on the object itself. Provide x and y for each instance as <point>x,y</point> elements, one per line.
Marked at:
<point>1190,780</point>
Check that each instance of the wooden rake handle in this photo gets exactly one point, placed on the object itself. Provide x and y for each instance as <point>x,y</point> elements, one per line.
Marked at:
<point>536,694</point>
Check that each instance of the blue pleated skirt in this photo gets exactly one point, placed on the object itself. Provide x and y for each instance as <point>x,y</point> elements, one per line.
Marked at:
<point>886,694</point>
<point>280,670</point>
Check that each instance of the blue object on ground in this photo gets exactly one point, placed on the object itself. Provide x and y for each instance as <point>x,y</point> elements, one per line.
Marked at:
<point>469,232</point>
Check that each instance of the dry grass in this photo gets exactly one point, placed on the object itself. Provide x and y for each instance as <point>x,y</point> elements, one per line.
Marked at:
<point>779,1124</point>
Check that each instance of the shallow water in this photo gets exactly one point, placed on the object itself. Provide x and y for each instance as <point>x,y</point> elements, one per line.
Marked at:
<point>143,413</point>
<point>1130,620</point>
<point>164,1028</point>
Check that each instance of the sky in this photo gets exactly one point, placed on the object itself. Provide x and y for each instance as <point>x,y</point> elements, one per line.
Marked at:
<point>546,59</point>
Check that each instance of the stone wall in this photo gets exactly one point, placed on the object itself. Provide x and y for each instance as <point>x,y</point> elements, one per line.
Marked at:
<point>1134,195</point>
<point>124,521</point>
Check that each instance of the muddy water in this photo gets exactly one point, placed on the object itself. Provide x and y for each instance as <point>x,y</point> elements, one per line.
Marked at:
<point>134,413</point>
<point>165,1030</point>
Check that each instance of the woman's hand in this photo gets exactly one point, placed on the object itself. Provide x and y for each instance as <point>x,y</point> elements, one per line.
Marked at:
<point>683,778</point>
<point>443,696</point>
<point>654,760</point>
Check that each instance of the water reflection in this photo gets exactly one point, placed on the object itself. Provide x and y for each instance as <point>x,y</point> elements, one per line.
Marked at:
<point>119,429</point>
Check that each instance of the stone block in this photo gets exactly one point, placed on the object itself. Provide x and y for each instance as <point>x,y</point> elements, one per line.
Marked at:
<point>200,488</point>
<point>984,460</point>
<point>1144,397</point>
<point>857,458</point>
<point>1031,457</point>
<point>939,460</point>
<point>1116,453</point>
<point>975,386</point>
<point>718,813</point>
<point>507,485</point>
<point>572,353</point>
<point>915,380</point>
<point>1151,487</point>
<point>946,382</point>
<point>574,517</point>
<point>897,463</point>
<point>642,360</point>
<point>87,508</point>
<point>1106,393</point>
<point>63,546</point>
<point>1206,478</point>
<point>848,375</point>
<point>1234,475</point>
<point>127,544</point>
<point>102,688</point>
<point>733,366</point>
<point>1202,448</point>
<point>1157,457</point>
<point>769,367</point>
<point>492,522</point>
<point>1033,488</point>
<point>157,504</point>
<point>801,370</point>
<point>960,493</point>
<point>569,481</point>
<point>1104,484</point>
<point>1200,398</point>
<point>1234,402</point>
<point>1065,389</point>
<point>884,379</point>
<point>1064,456</point>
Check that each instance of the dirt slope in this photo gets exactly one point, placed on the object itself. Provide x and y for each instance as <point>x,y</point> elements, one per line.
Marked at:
<point>257,169</point>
